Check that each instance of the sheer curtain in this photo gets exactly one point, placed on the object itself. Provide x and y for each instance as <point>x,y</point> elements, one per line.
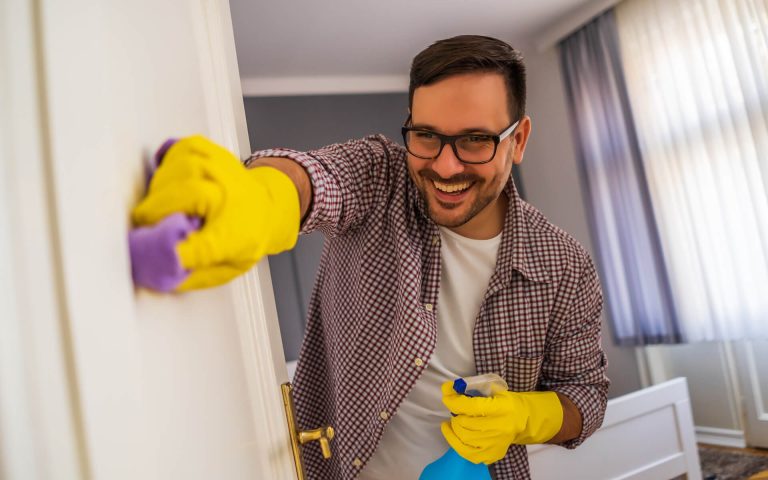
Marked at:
<point>628,250</point>
<point>697,79</point>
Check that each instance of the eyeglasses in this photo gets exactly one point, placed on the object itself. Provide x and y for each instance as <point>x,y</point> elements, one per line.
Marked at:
<point>472,148</point>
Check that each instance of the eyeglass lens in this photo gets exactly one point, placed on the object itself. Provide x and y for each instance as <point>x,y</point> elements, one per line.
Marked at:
<point>470,148</point>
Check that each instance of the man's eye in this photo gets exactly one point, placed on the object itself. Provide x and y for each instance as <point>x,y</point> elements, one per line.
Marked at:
<point>477,139</point>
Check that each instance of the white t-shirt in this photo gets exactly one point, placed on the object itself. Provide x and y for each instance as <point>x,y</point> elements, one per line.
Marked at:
<point>412,438</point>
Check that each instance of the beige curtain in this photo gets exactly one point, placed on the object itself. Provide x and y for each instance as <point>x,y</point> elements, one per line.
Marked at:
<point>697,79</point>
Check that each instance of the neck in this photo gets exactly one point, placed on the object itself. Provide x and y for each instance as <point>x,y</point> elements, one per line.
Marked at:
<point>488,223</point>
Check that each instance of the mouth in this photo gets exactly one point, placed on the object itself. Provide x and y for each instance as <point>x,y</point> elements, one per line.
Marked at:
<point>451,192</point>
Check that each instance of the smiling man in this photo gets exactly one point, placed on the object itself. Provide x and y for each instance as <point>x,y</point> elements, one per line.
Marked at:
<point>434,269</point>
<point>461,184</point>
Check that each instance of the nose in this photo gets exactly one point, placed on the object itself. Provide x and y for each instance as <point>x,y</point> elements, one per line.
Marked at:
<point>446,164</point>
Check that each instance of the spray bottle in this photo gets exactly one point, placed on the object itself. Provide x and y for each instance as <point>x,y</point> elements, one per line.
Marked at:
<point>451,465</point>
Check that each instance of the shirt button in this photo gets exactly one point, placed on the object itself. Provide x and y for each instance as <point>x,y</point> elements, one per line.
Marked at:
<point>384,415</point>
<point>435,239</point>
<point>357,462</point>
<point>429,307</point>
<point>418,362</point>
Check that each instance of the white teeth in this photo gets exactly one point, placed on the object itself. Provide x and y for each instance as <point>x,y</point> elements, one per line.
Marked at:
<point>451,187</point>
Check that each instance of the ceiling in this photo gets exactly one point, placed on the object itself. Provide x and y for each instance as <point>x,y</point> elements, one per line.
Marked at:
<point>307,38</point>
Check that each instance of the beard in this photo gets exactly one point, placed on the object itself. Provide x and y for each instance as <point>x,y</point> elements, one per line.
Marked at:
<point>446,214</point>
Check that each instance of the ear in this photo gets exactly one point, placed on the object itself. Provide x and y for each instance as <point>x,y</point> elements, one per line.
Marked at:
<point>521,136</point>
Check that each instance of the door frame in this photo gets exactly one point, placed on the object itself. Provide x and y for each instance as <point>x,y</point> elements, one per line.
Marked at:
<point>754,396</point>
<point>252,294</point>
<point>41,424</point>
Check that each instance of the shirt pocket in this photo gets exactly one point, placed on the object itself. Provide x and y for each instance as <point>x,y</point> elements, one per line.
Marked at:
<point>522,371</point>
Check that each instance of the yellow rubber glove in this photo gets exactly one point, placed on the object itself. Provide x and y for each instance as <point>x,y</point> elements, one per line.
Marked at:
<point>485,427</point>
<point>247,213</point>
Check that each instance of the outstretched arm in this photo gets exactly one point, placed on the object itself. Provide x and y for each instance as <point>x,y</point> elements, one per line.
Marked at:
<point>295,172</point>
<point>207,219</point>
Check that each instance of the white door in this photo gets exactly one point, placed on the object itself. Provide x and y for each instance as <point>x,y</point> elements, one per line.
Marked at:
<point>752,365</point>
<point>98,380</point>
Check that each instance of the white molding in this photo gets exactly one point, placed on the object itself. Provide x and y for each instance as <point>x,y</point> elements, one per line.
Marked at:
<point>755,417</point>
<point>559,30</point>
<point>724,437</point>
<point>656,364</point>
<point>264,363</point>
<point>641,356</point>
<point>735,399</point>
<point>252,294</point>
<point>323,85</point>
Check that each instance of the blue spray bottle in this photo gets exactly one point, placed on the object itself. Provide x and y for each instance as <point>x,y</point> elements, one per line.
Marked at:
<point>451,465</point>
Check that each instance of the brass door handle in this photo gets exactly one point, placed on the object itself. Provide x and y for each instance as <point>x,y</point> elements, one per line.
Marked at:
<point>323,434</point>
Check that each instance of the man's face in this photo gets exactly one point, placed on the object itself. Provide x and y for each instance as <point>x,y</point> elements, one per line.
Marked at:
<point>466,198</point>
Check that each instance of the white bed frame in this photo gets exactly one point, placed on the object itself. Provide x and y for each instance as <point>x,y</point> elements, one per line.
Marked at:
<point>646,435</point>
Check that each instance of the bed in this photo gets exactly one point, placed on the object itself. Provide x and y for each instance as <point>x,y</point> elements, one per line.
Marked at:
<point>648,434</point>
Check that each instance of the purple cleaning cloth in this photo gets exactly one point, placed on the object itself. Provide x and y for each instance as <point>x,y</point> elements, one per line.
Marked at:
<point>154,262</point>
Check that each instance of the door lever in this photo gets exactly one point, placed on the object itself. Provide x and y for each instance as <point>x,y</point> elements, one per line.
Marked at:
<point>323,434</point>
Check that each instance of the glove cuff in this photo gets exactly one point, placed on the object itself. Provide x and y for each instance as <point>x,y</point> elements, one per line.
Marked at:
<point>286,211</point>
<point>545,420</point>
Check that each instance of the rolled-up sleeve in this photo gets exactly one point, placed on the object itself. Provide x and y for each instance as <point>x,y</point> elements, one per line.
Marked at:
<point>575,364</point>
<point>347,179</point>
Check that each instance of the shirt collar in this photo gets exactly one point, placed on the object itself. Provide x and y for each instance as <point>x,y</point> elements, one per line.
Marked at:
<point>517,251</point>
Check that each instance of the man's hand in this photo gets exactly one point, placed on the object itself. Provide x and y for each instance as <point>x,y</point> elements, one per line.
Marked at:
<point>246,213</point>
<point>484,428</point>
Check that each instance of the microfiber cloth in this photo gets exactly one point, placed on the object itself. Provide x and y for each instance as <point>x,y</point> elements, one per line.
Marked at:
<point>154,262</point>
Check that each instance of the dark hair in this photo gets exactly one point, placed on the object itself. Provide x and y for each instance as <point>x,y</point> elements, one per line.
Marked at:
<point>471,54</point>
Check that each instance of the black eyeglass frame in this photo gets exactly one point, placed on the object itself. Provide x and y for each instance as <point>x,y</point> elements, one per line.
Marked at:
<point>451,140</point>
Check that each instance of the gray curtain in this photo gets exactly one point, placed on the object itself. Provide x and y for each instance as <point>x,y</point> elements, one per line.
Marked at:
<point>631,263</point>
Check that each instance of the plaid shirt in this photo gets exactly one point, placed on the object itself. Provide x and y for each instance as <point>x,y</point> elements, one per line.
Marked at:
<point>371,329</point>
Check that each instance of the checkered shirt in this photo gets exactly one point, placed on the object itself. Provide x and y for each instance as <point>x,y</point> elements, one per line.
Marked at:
<point>371,326</point>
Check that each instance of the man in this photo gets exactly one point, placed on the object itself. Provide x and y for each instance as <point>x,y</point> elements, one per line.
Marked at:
<point>434,269</point>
